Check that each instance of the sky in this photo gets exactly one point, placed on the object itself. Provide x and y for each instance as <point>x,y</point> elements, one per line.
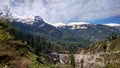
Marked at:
<point>66,11</point>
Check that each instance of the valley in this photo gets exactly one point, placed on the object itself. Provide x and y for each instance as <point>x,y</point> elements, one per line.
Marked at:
<point>78,35</point>
<point>59,33</point>
<point>99,57</point>
<point>41,45</point>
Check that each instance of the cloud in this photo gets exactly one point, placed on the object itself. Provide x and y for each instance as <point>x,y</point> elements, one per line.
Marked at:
<point>64,10</point>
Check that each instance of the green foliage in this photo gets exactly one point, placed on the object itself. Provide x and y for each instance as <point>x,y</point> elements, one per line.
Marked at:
<point>72,59</point>
<point>17,54</point>
<point>112,36</point>
<point>40,44</point>
<point>4,35</point>
<point>6,23</point>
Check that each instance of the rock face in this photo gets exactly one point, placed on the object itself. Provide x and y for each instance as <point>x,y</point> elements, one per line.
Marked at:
<point>38,21</point>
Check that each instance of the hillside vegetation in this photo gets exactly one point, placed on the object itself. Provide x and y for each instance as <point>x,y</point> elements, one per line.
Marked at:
<point>18,53</point>
<point>108,45</point>
<point>106,53</point>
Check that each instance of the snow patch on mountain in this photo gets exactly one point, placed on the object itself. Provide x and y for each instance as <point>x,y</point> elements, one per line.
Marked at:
<point>77,23</point>
<point>112,24</point>
<point>78,27</point>
<point>42,25</point>
<point>59,24</point>
<point>71,25</point>
<point>28,20</point>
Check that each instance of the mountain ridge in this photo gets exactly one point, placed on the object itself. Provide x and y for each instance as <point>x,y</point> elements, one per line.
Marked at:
<point>71,33</point>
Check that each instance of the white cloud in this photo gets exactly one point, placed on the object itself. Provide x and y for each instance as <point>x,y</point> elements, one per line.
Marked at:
<point>64,10</point>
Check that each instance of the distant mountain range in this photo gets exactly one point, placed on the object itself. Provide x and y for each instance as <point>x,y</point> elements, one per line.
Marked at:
<point>113,19</point>
<point>74,34</point>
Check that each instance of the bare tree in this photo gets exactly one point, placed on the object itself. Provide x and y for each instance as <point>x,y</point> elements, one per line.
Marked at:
<point>5,12</point>
<point>6,16</point>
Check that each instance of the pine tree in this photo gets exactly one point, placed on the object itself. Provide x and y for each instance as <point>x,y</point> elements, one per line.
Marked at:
<point>72,60</point>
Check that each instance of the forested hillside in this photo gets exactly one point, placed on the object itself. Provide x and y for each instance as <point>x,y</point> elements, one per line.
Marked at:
<point>20,50</point>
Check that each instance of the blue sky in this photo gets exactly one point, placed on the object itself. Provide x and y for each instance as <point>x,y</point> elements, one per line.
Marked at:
<point>53,11</point>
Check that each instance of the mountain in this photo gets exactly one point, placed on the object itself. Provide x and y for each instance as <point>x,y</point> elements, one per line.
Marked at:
<point>76,34</point>
<point>116,25</point>
<point>20,49</point>
<point>113,19</point>
<point>24,49</point>
<point>113,24</point>
<point>90,31</point>
<point>37,26</point>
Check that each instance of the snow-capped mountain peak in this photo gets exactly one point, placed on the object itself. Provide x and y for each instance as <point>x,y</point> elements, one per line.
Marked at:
<point>29,20</point>
<point>77,23</point>
<point>78,27</point>
<point>71,25</point>
<point>38,18</point>
<point>112,24</point>
<point>59,24</point>
<point>25,20</point>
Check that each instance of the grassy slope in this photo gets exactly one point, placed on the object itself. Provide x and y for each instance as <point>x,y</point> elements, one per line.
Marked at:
<point>111,46</point>
<point>112,52</point>
<point>16,54</point>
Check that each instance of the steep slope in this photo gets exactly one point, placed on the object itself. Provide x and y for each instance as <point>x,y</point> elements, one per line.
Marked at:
<point>40,28</point>
<point>112,59</point>
<point>13,53</point>
<point>107,46</point>
<point>37,27</point>
<point>103,54</point>
<point>111,51</point>
<point>17,53</point>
